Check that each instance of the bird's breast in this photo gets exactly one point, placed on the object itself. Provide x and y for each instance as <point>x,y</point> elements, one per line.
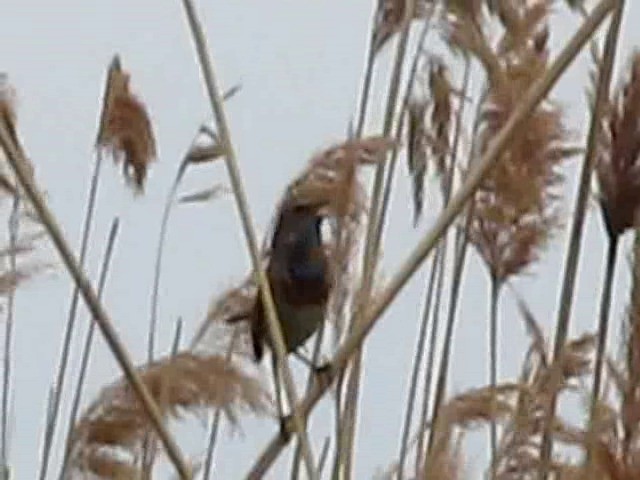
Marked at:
<point>299,322</point>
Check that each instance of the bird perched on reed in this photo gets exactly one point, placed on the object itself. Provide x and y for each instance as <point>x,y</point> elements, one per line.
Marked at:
<point>298,274</point>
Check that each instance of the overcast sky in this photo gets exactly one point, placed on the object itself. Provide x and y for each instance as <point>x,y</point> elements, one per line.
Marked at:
<point>300,65</point>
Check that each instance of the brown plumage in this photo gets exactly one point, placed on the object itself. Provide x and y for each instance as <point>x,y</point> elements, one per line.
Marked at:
<point>298,274</point>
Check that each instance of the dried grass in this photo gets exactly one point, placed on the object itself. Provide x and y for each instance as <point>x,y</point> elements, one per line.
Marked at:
<point>27,242</point>
<point>541,381</point>
<point>516,207</point>
<point>429,127</point>
<point>125,130</point>
<point>110,434</point>
<point>520,407</point>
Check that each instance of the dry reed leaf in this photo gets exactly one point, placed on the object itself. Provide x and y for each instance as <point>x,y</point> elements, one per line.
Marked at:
<point>205,153</point>
<point>428,131</point>
<point>116,425</point>
<point>417,151</point>
<point>205,195</point>
<point>618,167</point>
<point>125,130</point>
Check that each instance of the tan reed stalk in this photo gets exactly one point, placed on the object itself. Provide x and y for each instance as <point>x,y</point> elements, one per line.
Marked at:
<point>458,267</point>
<point>372,238</point>
<point>514,212</point>
<point>365,95</point>
<point>529,101</point>
<point>275,331</point>
<point>447,187</point>
<point>445,356</point>
<point>436,272</point>
<point>365,88</point>
<point>441,256</point>
<point>315,360</point>
<point>19,165</point>
<point>86,349</point>
<point>575,237</point>
<point>400,125</point>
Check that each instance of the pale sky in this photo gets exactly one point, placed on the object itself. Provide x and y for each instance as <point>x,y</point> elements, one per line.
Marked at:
<point>300,65</point>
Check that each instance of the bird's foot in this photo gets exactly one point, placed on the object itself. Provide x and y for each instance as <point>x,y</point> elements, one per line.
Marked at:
<point>286,427</point>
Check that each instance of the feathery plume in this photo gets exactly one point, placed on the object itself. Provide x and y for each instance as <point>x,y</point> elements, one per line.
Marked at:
<point>110,434</point>
<point>618,166</point>
<point>429,124</point>
<point>516,207</point>
<point>125,130</point>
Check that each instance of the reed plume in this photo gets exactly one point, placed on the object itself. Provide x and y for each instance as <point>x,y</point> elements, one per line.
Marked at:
<point>125,129</point>
<point>516,206</point>
<point>109,436</point>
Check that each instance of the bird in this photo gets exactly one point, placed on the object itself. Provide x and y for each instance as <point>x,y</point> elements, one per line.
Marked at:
<point>298,274</point>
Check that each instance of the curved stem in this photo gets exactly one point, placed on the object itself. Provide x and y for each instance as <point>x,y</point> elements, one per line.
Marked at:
<point>153,320</point>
